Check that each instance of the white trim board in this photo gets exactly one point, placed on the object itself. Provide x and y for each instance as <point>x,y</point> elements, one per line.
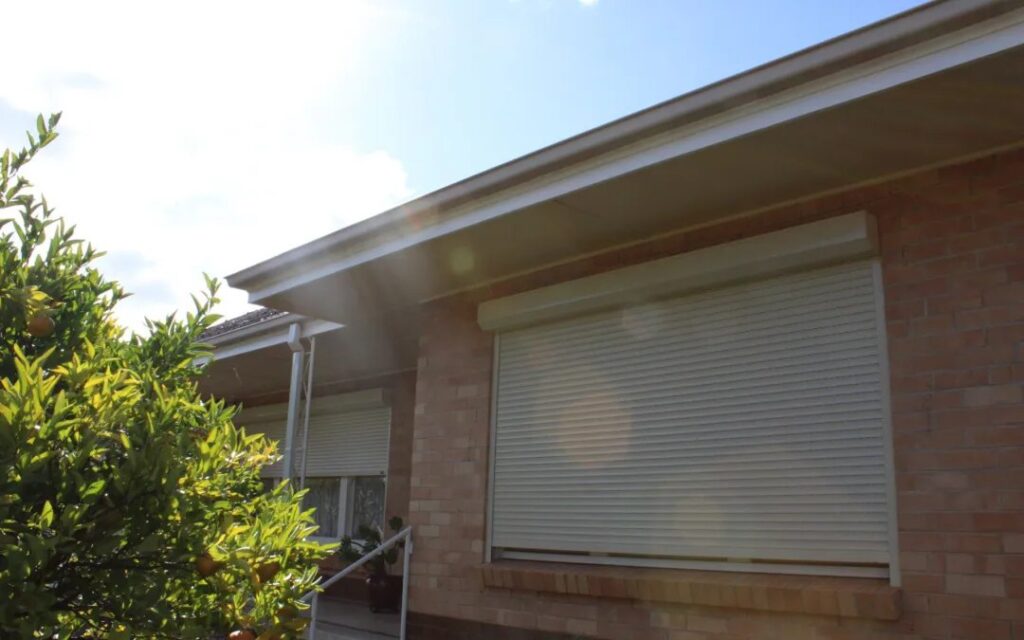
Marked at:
<point>895,573</point>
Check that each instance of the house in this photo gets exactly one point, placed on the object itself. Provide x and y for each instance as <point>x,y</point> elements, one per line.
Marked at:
<point>746,364</point>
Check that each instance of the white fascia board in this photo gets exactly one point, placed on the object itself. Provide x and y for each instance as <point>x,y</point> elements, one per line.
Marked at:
<point>842,238</point>
<point>242,343</point>
<point>952,50</point>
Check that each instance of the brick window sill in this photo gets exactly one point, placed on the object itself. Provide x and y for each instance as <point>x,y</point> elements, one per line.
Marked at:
<point>812,595</point>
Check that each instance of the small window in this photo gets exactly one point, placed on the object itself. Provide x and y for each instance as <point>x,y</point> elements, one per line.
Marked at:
<point>324,495</point>
<point>367,503</point>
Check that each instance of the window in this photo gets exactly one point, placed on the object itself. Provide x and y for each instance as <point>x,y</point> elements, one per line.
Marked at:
<point>743,427</point>
<point>346,460</point>
<point>343,504</point>
<point>367,503</point>
<point>325,496</point>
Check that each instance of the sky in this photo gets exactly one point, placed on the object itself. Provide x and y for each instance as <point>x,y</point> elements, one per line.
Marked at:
<point>208,136</point>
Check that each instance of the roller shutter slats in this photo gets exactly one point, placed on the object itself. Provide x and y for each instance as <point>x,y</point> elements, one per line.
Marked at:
<point>345,443</point>
<point>744,422</point>
<point>353,443</point>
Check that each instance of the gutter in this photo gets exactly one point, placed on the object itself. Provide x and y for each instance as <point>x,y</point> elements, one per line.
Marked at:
<point>275,332</point>
<point>252,329</point>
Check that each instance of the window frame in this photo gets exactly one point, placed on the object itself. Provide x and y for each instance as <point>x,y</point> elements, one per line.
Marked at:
<point>350,503</point>
<point>345,504</point>
<point>891,572</point>
<point>342,502</point>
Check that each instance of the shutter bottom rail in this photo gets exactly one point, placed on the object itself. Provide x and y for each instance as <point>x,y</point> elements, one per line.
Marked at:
<point>800,594</point>
<point>703,563</point>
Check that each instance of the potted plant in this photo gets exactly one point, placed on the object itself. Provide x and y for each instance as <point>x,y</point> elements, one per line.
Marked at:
<point>385,590</point>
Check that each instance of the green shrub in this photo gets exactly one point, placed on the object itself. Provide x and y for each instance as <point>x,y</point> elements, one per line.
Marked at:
<point>130,506</point>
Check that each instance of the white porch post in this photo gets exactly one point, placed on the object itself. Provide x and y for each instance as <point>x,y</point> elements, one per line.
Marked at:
<point>307,408</point>
<point>294,395</point>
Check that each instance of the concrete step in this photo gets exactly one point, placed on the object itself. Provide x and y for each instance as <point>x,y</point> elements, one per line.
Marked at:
<point>339,619</point>
<point>328,631</point>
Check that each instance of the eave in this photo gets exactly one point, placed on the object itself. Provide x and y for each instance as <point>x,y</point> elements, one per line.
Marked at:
<point>928,87</point>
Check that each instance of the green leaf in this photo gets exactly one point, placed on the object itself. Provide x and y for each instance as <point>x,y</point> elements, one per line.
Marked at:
<point>150,544</point>
<point>93,491</point>
<point>46,515</point>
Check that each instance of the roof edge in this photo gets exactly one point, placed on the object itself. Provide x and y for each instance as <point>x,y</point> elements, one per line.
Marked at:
<point>253,328</point>
<point>897,32</point>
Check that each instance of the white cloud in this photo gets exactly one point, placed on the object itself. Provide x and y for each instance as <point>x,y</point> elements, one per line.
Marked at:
<point>588,3</point>
<point>187,139</point>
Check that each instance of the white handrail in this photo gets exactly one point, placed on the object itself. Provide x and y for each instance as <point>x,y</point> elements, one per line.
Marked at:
<point>406,558</point>
<point>314,596</point>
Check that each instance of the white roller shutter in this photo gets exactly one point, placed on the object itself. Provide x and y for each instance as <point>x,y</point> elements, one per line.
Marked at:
<point>350,443</point>
<point>741,423</point>
<point>348,436</point>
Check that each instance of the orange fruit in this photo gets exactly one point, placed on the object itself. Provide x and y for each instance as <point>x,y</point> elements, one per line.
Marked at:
<point>287,612</point>
<point>206,566</point>
<point>41,326</point>
<point>267,571</point>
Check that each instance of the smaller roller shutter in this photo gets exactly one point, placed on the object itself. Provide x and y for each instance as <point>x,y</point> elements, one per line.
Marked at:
<point>350,443</point>
<point>348,435</point>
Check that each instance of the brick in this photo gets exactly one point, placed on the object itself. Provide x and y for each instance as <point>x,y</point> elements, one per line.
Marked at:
<point>993,395</point>
<point>974,585</point>
<point>1012,293</point>
<point>960,563</point>
<point>1015,587</point>
<point>924,582</point>
<point>521,619</point>
<point>706,624</point>
<point>1011,609</point>
<point>1004,255</point>
<point>584,627</point>
<point>999,522</point>
<point>1013,543</point>
<point>971,628</point>
<point>1012,334</point>
<point>968,606</point>
<point>973,542</point>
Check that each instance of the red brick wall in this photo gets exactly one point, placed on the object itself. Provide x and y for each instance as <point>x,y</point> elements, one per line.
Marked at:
<point>953,260</point>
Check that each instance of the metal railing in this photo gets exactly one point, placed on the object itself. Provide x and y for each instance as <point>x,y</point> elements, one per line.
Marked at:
<point>313,597</point>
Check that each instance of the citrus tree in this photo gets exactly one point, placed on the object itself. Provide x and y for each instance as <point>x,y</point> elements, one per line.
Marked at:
<point>130,506</point>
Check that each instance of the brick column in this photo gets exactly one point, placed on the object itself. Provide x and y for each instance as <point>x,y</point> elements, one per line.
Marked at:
<point>448,484</point>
